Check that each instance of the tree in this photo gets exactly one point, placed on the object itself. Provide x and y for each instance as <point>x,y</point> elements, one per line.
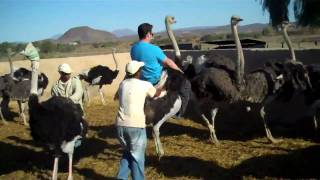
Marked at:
<point>47,47</point>
<point>306,11</point>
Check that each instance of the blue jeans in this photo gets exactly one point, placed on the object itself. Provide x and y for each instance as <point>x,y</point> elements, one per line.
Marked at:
<point>134,142</point>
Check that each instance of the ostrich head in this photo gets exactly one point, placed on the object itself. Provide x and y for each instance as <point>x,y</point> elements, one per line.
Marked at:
<point>235,20</point>
<point>197,64</point>
<point>170,20</point>
<point>285,25</point>
<point>186,62</point>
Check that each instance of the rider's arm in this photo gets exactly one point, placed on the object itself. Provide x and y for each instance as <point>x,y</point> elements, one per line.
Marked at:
<point>153,92</point>
<point>171,64</point>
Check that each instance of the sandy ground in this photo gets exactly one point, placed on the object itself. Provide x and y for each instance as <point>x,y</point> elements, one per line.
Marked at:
<point>50,66</point>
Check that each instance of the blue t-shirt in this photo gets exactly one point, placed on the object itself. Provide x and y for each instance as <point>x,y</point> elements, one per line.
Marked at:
<point>152,56</point>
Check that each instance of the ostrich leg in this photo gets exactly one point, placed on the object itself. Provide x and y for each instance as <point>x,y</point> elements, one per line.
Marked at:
<point>313,111</point>
<point>87,93</point>
<point>155,129</point>
<point>315,122</point>
<point>2,117</point>
<point>102,96</point>
<point>70,177</point>
<point>213,135</point>
<point>263,113</point>
<point>4,106</point>
<point>21,111</point>
<point>55,168</point>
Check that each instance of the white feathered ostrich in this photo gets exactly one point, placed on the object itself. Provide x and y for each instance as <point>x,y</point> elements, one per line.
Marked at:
<point>260,87</point>
<point>57,122</point>
<point>16,86</point>
<point>99,76</point>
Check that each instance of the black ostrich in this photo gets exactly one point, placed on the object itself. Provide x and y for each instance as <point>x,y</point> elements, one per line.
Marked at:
<point>99,76</point>
<point>162,108</point>
<point>16,86</point>
<point>312,96</point>
<point>260,87</point>
<point>58,122</point>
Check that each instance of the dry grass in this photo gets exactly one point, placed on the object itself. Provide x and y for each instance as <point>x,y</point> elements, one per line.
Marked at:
<point>188,153</point>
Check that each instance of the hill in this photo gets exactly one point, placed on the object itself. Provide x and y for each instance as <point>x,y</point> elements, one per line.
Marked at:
<point>204,30</point>
<point>123,32</point>
<point>85,34</point>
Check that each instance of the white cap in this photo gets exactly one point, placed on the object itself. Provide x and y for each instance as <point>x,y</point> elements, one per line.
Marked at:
<point>133,66</point>
<point>64,68</point>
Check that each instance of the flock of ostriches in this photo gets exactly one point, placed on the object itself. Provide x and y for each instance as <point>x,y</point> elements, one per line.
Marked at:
<point>213,77</point>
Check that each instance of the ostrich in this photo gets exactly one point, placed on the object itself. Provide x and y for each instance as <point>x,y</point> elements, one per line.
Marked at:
<point>170,102</point>
<point>313,70</point>
<point>99,75</point>
<point>61,132</point>
<point>259,87</point>
<point>220,65</point>
<point>16,86</point>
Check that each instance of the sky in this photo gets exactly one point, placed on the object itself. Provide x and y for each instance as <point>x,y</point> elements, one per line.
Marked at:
<point>31,20</point>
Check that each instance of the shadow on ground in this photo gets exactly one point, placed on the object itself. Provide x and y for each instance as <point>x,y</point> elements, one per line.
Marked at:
<point>296,164</point>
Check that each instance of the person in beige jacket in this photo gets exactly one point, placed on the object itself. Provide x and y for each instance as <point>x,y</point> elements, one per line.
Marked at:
<point>68,86</point>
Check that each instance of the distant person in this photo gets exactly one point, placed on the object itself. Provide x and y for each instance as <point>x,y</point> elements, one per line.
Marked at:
<point>131,121</point>
<point>67,86</point>
<point>154,60</point>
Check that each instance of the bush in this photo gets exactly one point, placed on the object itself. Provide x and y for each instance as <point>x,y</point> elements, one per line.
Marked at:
<point>65,48</point>
<point>267,31</point>
<point>47,47</point>
<point>15,47</point>
<point>210,37</point>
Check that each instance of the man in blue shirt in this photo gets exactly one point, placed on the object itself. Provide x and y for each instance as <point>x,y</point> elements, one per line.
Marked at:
<point>152,56</point>
<point>154,60</point>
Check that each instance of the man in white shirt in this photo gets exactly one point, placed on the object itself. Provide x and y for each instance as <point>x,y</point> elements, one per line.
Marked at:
<point>68,86</point>
<point>130,121</point>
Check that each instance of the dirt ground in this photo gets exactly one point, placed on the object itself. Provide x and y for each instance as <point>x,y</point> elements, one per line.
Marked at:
<point>244,152</point>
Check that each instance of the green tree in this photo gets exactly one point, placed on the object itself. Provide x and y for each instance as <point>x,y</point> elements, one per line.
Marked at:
<point>306,11</point>
<point>47,47</point>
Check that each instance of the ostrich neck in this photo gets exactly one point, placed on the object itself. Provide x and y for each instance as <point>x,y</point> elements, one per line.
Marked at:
<point>240,57</point>
<point>173,40</point>
<point>289,44</point>
<point>115,60</point>
<point>34,77</point>
<point>11,65</point>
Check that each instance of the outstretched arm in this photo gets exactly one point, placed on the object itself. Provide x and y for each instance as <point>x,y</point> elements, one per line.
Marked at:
<point>170,63</point>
